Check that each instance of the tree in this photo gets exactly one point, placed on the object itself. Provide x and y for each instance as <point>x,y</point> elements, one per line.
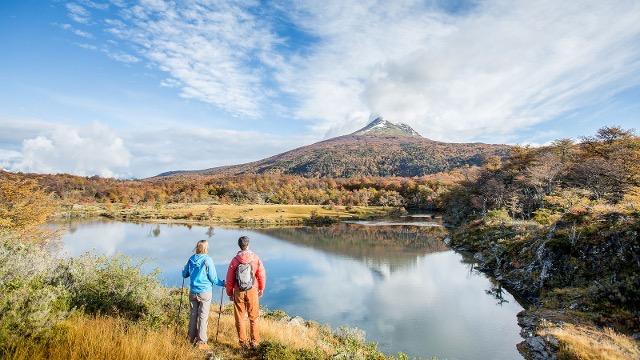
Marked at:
<point>24,207</point>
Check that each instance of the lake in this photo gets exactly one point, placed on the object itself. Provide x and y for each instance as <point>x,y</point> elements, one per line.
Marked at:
<point>399,283</point>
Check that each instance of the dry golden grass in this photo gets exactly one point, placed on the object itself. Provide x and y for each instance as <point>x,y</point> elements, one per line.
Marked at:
<point>107,338</point>
<point>84,337</point>
<point>291,335</point>
<point>588,343</point>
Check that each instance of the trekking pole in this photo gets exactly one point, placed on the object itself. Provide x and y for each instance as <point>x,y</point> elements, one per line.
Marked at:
<point>181,296</point>
<point>220,312</point>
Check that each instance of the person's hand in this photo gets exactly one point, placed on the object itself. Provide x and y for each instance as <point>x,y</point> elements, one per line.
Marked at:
<point>260,292</point>
<point>224,283</point>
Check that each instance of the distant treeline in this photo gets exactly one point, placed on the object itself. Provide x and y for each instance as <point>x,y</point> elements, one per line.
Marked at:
<point>603,169</point>
<point>418,192</point>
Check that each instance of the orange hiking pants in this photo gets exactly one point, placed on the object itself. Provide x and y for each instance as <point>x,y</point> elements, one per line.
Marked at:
<point>247,303</point>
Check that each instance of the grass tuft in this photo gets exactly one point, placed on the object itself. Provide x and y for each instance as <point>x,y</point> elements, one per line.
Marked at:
<point>589,343</point>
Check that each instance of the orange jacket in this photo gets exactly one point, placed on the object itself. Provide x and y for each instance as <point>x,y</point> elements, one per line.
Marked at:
<point>245,257</point>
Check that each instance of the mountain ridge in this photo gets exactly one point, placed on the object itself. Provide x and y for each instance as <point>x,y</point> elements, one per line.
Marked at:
<point>381,148</point>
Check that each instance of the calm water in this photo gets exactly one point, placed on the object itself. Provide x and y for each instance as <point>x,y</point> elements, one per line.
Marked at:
<point>400,284</point>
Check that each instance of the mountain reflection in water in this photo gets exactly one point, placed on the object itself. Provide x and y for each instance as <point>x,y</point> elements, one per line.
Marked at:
<point>384,249</point>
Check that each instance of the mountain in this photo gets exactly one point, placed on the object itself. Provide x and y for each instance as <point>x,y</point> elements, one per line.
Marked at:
<point>381,148</point>
<point>382,127</point>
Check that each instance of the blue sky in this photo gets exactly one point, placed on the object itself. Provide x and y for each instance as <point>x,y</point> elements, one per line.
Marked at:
<point>134,88</point>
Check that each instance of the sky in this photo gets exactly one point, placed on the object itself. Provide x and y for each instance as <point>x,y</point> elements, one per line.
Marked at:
<point>130,89</point>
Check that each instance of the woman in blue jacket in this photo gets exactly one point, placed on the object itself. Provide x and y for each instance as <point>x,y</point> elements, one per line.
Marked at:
<point>202,271</point>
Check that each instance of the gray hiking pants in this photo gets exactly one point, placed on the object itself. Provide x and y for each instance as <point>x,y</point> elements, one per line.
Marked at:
<point>199,316</point>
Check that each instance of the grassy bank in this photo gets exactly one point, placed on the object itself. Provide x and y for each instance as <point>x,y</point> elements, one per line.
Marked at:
<point>81,336</point>
<point>205,214</point>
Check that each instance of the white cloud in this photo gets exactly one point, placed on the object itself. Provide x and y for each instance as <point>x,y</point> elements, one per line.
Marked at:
<point>180,147</point>
<point>501,66</point>
<point>78,13</point>
<point>93,150</point>
<point>78,32</point>
<point>43,147</point>
<point>8,157</point>
<point>120,56</point>
<point>482,73</point>
<point>208,47</point>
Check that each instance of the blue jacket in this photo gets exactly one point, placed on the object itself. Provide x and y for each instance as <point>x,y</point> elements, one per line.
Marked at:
<point>202,271</point>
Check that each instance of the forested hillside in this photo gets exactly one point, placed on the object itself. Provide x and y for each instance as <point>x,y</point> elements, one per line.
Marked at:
<point>379,149</point>
<point>419,192</point>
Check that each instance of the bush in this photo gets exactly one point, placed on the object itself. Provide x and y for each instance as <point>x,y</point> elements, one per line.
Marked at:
<point>269,350</point>
<point>30,303</point>
<point>499,215</point>
<point>319,220</point>
<point>39,291</point>
<point>113,286</point>
<point>353,345</point>
<point>545,216</point>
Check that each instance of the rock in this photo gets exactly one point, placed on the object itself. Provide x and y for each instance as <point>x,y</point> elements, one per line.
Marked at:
<point>478,256</point>
<point>297,321</point>
<point>536,348</point>
<point>528,323</point>
<point>553,341</point>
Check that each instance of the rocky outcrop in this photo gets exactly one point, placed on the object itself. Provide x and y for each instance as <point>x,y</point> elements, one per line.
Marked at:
<point>573,272</point>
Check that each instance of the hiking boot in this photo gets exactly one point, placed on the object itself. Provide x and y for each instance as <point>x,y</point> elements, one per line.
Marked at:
<point>254,345</point>
<point>202,346</point>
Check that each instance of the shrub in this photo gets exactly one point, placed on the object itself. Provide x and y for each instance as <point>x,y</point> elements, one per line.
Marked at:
<point>38,290</point>
<point>353,345</point>
<point>319,220</point>
<point>545,216</point>
<point>30,302</point>
<point>499,215</point>
<point>113,286</point>
<point>275,314</point>
<point>269,350</point>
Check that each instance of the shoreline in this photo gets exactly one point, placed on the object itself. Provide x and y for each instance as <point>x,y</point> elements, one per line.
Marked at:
<point>548,329</point>
<point>225,214</point>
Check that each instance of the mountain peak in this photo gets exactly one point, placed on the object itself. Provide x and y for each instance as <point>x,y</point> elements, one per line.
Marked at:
<point>381,127</point>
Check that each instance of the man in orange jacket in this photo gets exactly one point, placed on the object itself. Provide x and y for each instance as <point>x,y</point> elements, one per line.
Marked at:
<point>246,279</point>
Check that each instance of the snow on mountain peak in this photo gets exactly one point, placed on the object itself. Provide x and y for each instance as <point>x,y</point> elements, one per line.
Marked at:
<point>381,127</point>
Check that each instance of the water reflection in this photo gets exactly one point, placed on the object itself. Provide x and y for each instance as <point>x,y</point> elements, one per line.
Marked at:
<point>401,285</point>
<point>383,248</point>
